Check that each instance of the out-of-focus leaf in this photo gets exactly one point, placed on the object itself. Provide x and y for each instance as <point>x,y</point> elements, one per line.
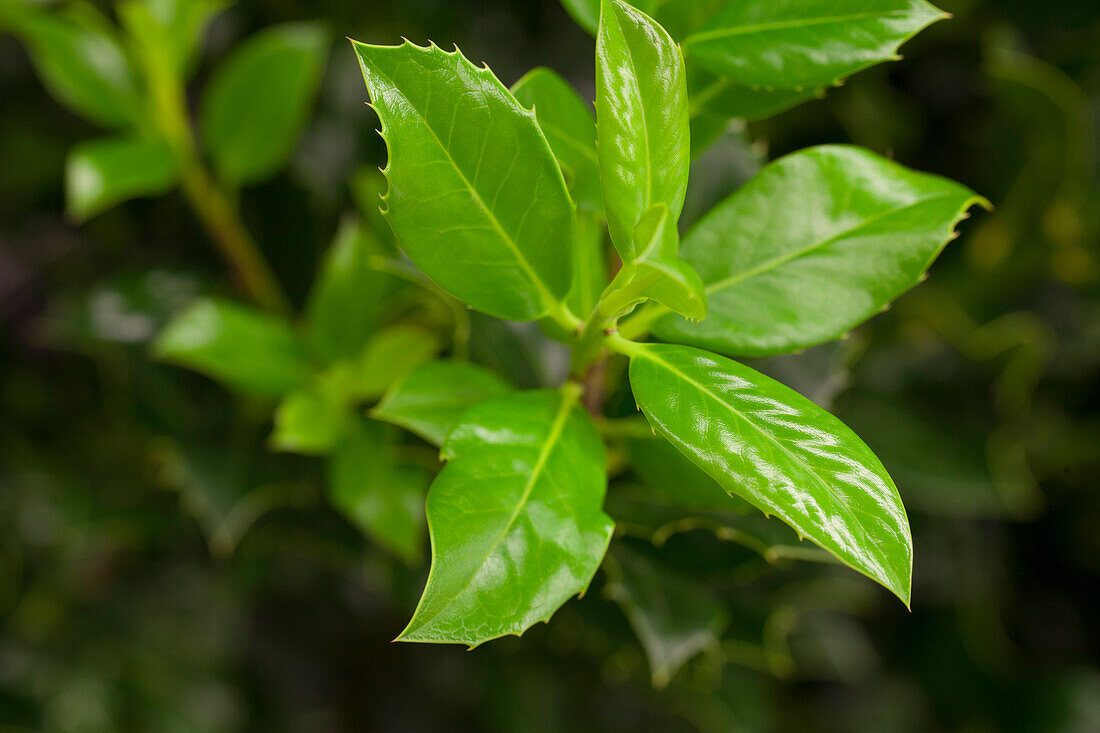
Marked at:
<point>866,229</point>
<point>81,63</point>
<point>383,498</point>
<point>796,44</point>
<point>387,356</point>
<point>657,272</point>
<point>167,34</point>
<point>674,618</point>
<point>343,306</point>
<point>432,397</point>
<point>515,518</point>
<point>642,109</point>
<point>309,422</point>
<point>102,173</point>
<point>258,100</point>
<point>492,223</point>
<point>779,451</point>
<point>241,347</point>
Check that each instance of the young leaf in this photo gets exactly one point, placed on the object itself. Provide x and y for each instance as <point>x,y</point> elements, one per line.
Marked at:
<point>383,498</point>
<point>258,100</point>
<point>309,422</point>
<point>432,397</point>
<point>570,129</point>
<point>866,231</point>
<point>781,452</point>
<point>387,356</point>
<point>657,273</point>
<point>674,618</point>
<point>642,108</point>
<point>102,173</point>
<point>244,348</point>
<point>81,63</point>
<point>514,517</point>
<point>799,44</point>
<point>476,197</point>
<point>343,306</point>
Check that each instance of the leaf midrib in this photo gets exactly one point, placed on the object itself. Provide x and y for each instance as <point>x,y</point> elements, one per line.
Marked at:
<point>548,297</point>
<point>648,354</point>
<point>568,400</point>
<point>742,30</point>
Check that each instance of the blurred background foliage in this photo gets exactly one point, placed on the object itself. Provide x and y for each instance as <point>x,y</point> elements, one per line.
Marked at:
<point>162,569</point>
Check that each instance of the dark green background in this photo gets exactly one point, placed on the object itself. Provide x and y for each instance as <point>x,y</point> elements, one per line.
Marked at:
<point>120,609</point>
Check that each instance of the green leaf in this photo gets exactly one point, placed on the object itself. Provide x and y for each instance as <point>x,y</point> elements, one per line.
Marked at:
<point>796,44</point>
<point>587,12</point>
<point>514,518</point>
<point>343,307</point>
<point>675,478</point>
<point>570,128</point>
<point>81,63</point>
<point>589,264</point>
<point>642,108</point>
<point>476,197</point>
<point>719,95</point>
<point>815,244</point>
<point>241,347</point>
<point>657,273</point>
<point>383,498</point>
<point>674,618</point>
<point>167,34</point>
<point>309,422</point>
<point>259,99</point>
<point>432,397</point>
<point>102,173</point>
<point>781,452</point>
<point>387,356</point>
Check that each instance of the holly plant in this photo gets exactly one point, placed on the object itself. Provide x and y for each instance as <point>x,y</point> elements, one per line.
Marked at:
<point>524,206</point>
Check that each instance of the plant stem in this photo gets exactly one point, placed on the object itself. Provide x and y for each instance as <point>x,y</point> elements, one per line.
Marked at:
<point>222,220</point>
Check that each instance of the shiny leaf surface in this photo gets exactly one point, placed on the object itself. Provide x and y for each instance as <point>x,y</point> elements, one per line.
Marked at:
<point>642,109</point>
<point>241,347</point>
<point>476,197</point>
<point>781,452</point>
<point>657,273</point>
<point>432,397</point>
<point>674,618</point>
<point>795,44</point>
<point>570,128</point>
<point>102,173</point>
<point>258,100</point>
<point>866,230</point>
<point>382,497</point>
<point>515,518</point>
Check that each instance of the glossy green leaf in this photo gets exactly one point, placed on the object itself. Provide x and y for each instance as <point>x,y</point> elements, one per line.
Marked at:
<point>432,397</point>
<point>476,198</point>
<point>386,357</point>
<point>589,265</point>
<point>587,12</point>
<point>669,474</point>
<point>721,96</point>
<point>81,63</point>
<point>102,173</point>
<point>258,100</point>
<point>674,618</point>
<point>642,108</point>
<point>815,244</point>
<point>343,307</point>
<point>570,128</point>
<point>796,44</point>
<point>515,518</point>
<point>241,347</point>
<point>382,497</point>
<point>781,452</point>
<point>657,273</point>
<point>309,422</point>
